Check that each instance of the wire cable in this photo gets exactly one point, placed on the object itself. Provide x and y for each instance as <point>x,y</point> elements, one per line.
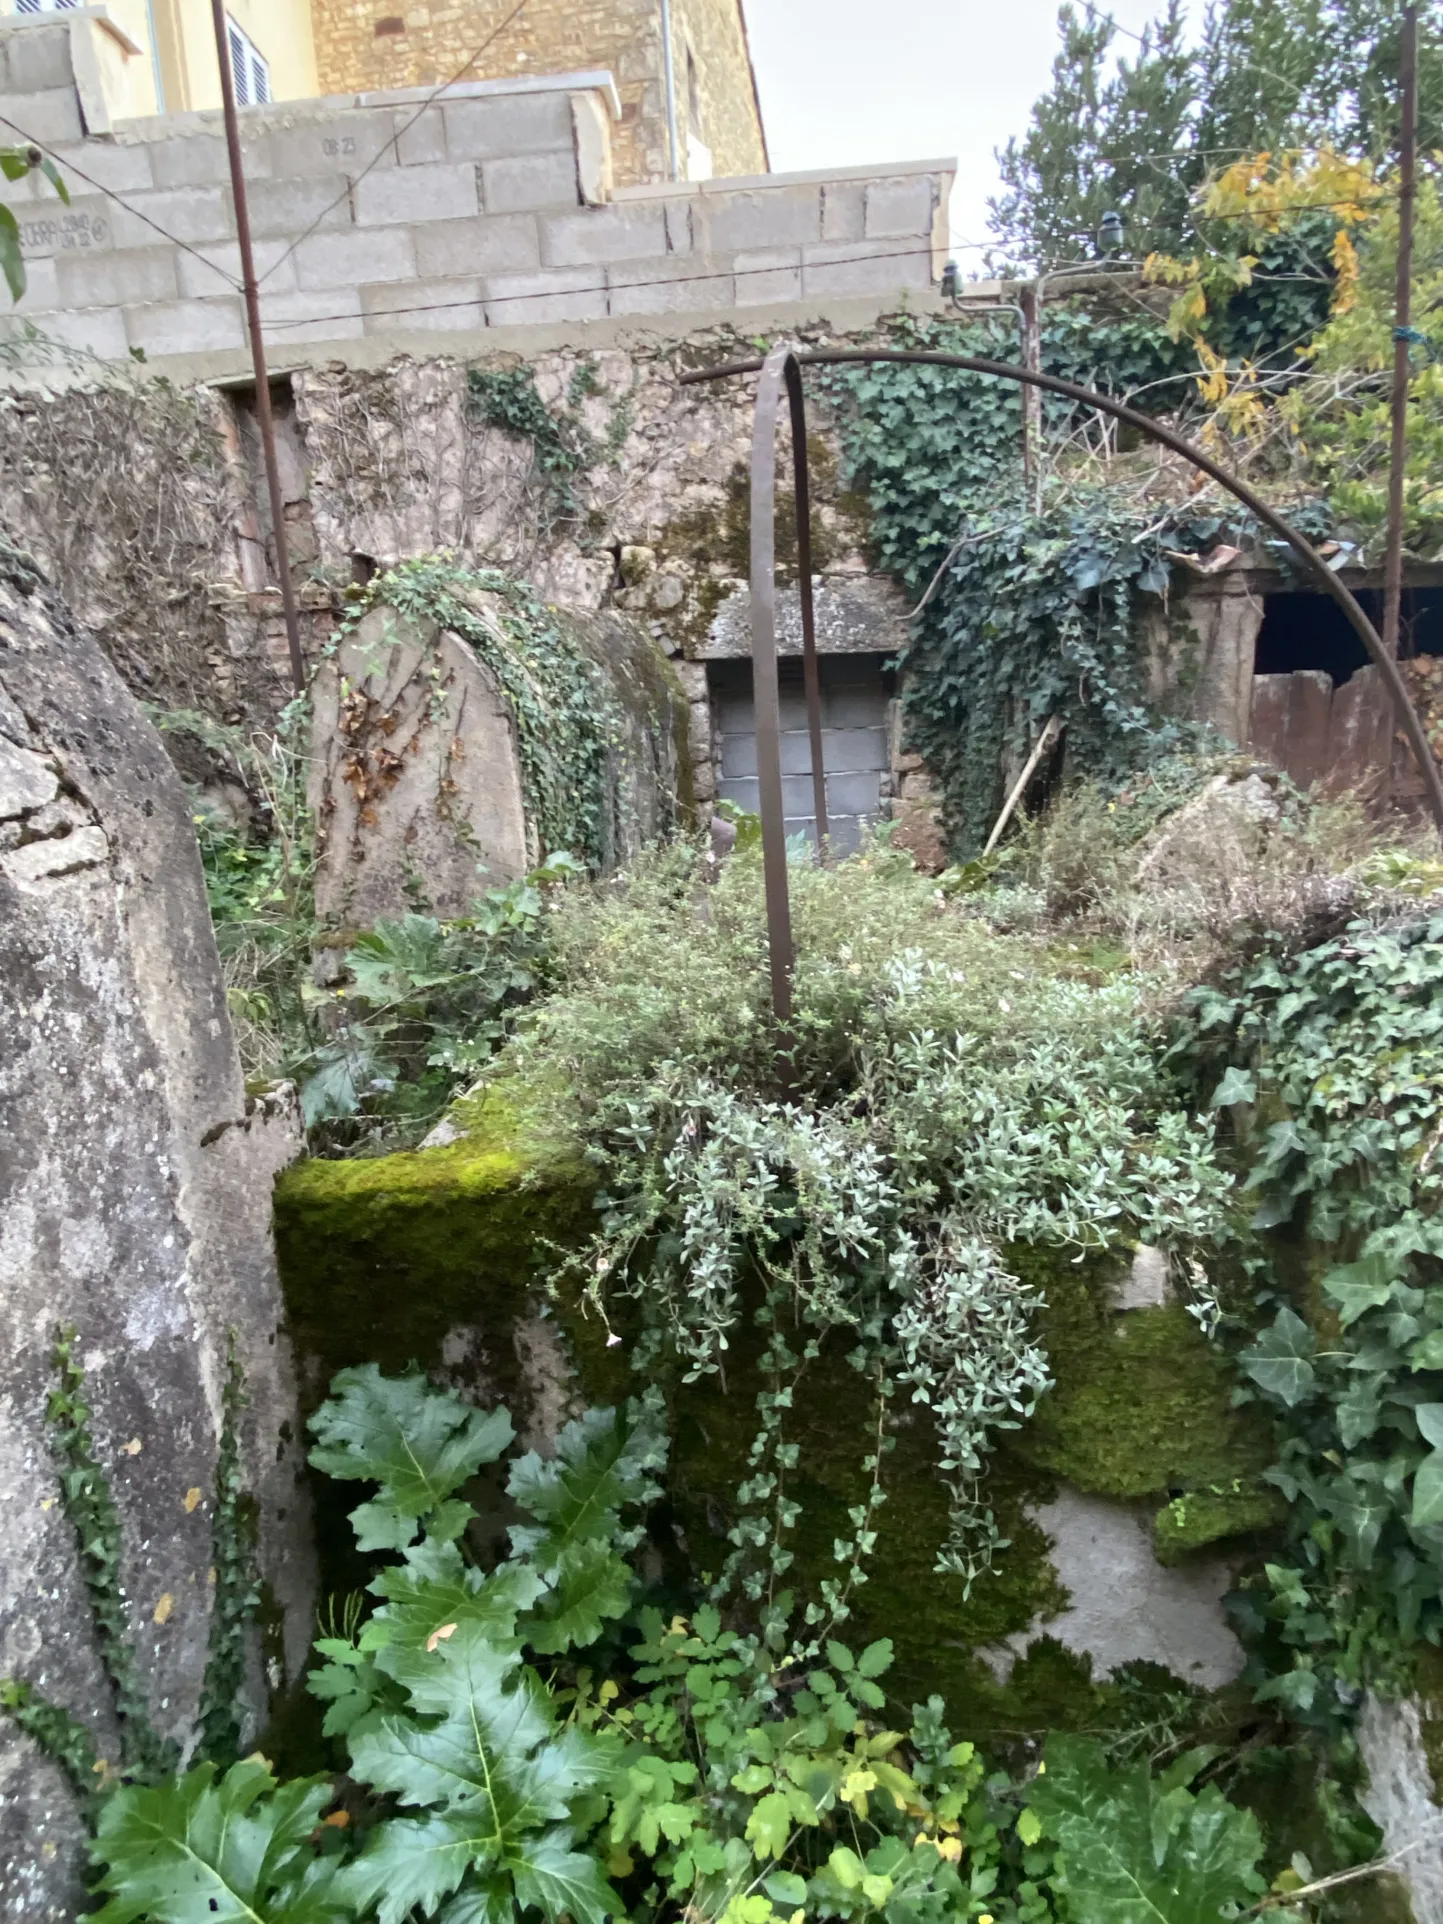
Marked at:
<point>110,194</point>
<point>394,142</point>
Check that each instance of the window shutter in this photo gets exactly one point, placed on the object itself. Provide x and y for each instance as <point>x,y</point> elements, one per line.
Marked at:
<point>240,68</point>
<point>260,80</point>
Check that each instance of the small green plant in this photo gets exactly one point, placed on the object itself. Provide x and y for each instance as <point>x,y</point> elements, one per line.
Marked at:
<point>506,398</point>
<point>531,1733</point>
<point>427,1005</point>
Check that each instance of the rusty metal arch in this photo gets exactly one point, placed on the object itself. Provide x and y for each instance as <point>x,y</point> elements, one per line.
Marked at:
<point>785,363</point>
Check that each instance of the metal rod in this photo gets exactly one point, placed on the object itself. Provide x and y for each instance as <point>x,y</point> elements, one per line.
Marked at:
<point>811,674</point>
<point>1029,300</point>
<point>765,695</point>
<point>668,68</point>
<point>258,352</point>
<point>1307,554</point>
<point>1402,316</point>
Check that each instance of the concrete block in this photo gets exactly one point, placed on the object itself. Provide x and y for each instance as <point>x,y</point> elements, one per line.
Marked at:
<point>325,314</point>
<point>865,267</point>
<point>562,294</point>
<point>183,213</point>
<point>201,160</point>
<point>93,330</point>
<point>125,168</point>
<point>396,196</point>
<point>679,226</point>
<point>334,144</point>
<point>350,256</point>
<point>768,274</point>
<point>85,226</point>
<point>662,286</point>
<point>591,132</point>
<point>42,288</point>
<point>603,234</point>
<point>896,208</point>
<point>435,305</point>
<point>420,141</point>
<point>119,277</point>
<point>185,327</point>
<point>511,125</point>
<point>772,217</point>
<point>36,58</point>
<point>286,208</point>
<point>494,243</point>
<point>530,181</point>
<point>48,116</point>
<point>843,215</point>
<point>216,270</point>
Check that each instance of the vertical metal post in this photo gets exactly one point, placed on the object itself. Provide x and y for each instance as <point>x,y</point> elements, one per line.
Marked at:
<point>765,696</point>
<point>668,68</point>
<point>1030,301</point>
<point>258,353</point>
<point>811,675</point>
<point>1402,319</point>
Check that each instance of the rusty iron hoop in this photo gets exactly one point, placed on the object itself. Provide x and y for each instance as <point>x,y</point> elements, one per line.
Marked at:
<point>786,362</point>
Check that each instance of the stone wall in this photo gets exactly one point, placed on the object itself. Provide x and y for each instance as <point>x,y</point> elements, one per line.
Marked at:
<point>388,214</point>
<point>362,46</point>
<point>135,1181</point>
<point>398,460</point>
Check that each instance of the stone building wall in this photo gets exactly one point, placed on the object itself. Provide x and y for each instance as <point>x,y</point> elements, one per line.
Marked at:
<point>366,45</point>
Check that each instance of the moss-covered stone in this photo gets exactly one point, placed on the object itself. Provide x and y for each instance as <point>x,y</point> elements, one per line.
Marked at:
<point>389,1259</point>
<point>1199,1518</point>
<point>382,1259</point>
<point>1142,1403</point>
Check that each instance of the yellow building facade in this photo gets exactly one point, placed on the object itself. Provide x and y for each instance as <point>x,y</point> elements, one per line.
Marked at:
<point>682,68</point>
<point>159,56</point>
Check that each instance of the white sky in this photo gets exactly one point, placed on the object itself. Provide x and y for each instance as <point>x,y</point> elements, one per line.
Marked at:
<point>847,82</point>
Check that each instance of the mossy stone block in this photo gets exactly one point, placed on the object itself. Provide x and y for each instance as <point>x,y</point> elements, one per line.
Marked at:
<point>382,1258</point>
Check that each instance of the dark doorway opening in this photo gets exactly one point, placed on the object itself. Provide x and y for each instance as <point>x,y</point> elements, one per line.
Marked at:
<point>1306,631</point>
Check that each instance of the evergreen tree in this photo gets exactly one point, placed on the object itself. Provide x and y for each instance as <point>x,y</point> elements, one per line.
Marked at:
<point>1265,75</point>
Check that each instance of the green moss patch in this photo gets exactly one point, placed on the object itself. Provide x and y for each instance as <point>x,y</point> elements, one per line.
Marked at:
<point>1142,1401</point>
<point>380,1259</point>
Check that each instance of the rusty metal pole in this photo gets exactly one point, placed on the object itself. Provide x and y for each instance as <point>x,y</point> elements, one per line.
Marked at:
<point>765,694</point>
<point>811,673</point>
<point>258,352</point>
<point>1029,299</point>
<point>1313,562</point>
<point>1402,319</point>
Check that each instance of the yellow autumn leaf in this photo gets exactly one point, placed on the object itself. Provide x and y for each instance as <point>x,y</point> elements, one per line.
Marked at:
<point>338,1819</point>
<point>132,1448</point>
<point>191,1498</point>
<point>161,1613</point>
<point>855,1786</point>
<point>439,1636</point>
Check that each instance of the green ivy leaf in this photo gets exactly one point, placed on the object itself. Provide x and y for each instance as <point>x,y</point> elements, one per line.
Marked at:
<point>1237,1085</point>
<point>1428,1491</point>
<point>1360,1286</point>
<point>1280,1360</point>
<point>419,1443</point>
<point>1430,1423</point>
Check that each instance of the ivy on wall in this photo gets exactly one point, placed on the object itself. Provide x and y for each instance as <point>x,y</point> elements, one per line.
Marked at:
<point>1033,612</point>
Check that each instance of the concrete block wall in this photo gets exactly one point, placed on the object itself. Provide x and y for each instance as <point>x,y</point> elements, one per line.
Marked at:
<point>381,214</point>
